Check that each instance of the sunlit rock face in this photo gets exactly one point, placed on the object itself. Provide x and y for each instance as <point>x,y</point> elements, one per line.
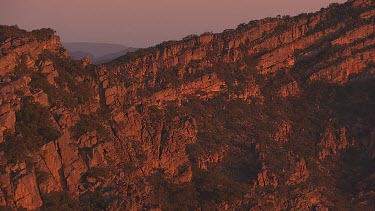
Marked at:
<point>274,115</point>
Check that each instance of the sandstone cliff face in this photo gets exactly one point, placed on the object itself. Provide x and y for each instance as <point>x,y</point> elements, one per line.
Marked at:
<point>276,114</point>
<point>25,49</point>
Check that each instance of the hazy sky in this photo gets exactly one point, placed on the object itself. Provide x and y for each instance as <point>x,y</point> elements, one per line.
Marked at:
<point>141,23</point>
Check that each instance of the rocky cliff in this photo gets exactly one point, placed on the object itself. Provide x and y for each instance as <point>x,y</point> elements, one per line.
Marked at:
<point>276,114</point>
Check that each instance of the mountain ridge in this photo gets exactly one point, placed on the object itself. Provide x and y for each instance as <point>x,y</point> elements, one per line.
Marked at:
<point>276,114</point>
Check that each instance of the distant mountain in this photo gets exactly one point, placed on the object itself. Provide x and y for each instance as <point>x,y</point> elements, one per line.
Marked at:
<point>277,114</point>
<point>99,52</point>
<point>80,54</point>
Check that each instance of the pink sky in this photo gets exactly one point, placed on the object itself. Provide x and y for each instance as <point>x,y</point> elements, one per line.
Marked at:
<point>142,23</point>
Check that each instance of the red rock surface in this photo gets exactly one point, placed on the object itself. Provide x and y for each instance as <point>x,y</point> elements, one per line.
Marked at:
<point>274,115</point>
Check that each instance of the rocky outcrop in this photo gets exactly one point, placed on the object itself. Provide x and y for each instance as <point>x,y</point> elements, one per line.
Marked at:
<point>26,193</point>
<point>10,101</point>
<point>211,158</point>
<point>259,117</point>
<point>172,152</point>
<point>290,89</point>
<point>26,50</point>
<point>353,35</point>
<point>283,57</point>
<point>340,73</point>
<point>204,87</point>
<point>281,135</point>
<point>49,71</point>
<point>300,172</point>
<point>51,165</point>
<point>332,142</point>
<point>267,178</point>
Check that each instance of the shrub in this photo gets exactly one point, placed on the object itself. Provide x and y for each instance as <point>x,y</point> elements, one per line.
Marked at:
<point>59,201</point>
<point>207,33</point>
<point>34,124</point>
<point>19,93</point>
<point>14,147</point>
<point>194,151</point>
<point>168,76</point>
<point>33,130</point>
<point>55,95</point>
<point>43,34</point>
<point>171,196</point>
<point>80,91</point>
<point>6,208</point>
<point>63,201</point>
<point>155,113</point>
<point>94,200</point>
<point>190,37</point>
<point>11,31</point>
<point>88,123</point>
<point>215,186</point>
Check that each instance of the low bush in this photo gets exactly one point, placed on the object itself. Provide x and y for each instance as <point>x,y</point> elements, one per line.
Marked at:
<point>88,123</point>
<point>59,201</point>
<point>33,130</point>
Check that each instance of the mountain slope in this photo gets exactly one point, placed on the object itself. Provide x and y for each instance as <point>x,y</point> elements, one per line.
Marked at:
<point>274,115</point>
<point>112,56</point>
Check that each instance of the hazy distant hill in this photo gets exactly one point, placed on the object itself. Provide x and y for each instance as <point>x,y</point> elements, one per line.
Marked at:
<point>277,114</point>
<point>99,52</point>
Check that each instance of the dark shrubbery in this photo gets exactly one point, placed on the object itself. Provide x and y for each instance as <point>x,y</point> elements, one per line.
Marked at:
<point>63,201</point>
<point>171,196</point>
<point>43,34</point>
<point>215,186</point>
<point>34,123</point>
<point>7,208</point>
<point>79,91</point>
<point>207,191</point>
<point>15,32</point>
<point>14,147</point>
<point>168,76</point>
<point>190,37</point>
<point>11,31</point>
<point>94,200</point>
<point>56,95</point>
<point>88,123</point>
<point>60,201</point>
<point>33,130</point>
